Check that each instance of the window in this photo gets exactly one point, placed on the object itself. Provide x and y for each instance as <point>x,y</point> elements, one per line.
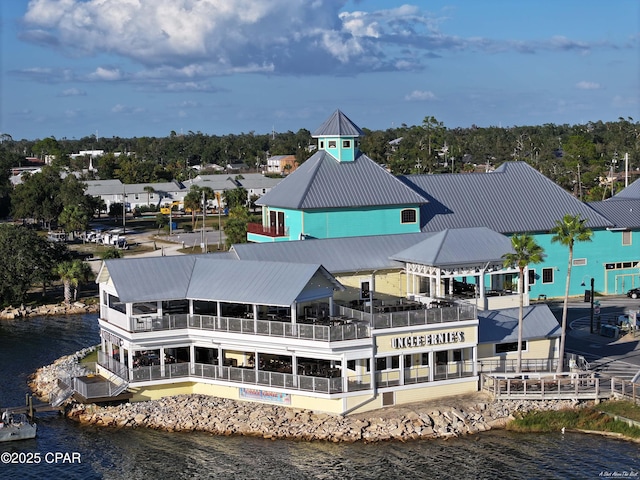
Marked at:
<point>346,144</point>
<point>532,277</point>
<point>457,355</point>
<point>116,304</point>
<point>365,293</point>
<point>321,144</point>
<point>502,348</point>
<point>332,144</point>
<point>626,239</point>
<point>425,358</point>
<point>442,357</point>
<point>408,215</point>
<point>381,363</point>
<point>547,275</point>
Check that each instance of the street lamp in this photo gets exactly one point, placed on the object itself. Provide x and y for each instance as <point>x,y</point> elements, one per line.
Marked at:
<point>591,309</point>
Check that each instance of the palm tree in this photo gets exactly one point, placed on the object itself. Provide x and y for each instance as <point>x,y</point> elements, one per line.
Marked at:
<point>149,189</point>
<point>525,252</point>
<point>73,273</point>
<point>567,231</point>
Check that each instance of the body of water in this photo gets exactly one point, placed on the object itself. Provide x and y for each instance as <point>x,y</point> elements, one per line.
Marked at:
<point>64,449</point>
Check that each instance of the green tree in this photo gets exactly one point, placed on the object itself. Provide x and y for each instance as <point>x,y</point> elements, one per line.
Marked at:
<point>235,227</point>
<point>161,221</point>
<point>111,252</point>
<point>38,196</point>
<point>525,252</point>
<point>25,259</point>
<point>72,273</point>
<point>567,231</point>
<point>236,197</point>
<point>73,219</point>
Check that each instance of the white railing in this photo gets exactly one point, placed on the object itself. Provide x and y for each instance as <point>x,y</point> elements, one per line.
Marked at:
<point>270,328</point>
<point>407,318</point>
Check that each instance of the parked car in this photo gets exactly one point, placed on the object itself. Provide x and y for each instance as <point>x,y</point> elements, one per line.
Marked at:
<point>634,293</point>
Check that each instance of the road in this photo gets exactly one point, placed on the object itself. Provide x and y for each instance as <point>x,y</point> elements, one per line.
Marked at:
<point>612,357</point>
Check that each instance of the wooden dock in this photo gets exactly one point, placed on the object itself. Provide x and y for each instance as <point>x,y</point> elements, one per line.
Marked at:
<point>30,408</point>
<point>547,386</point>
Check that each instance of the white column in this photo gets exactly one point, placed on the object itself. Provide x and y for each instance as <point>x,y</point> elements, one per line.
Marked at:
<point>474,354</point>
<point>432,365</point>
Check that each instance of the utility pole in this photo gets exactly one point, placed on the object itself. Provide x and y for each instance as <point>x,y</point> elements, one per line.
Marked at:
<point>202,245</point>
<point>124,209</point>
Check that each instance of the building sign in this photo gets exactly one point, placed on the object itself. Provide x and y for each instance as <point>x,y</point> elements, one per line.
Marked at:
<point>110,337</point>
<point>262,396</point>
<point>429,339</point>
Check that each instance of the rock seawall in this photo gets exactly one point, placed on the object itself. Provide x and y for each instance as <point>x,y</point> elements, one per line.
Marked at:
<point>11,313</point>
<point>442,418</point>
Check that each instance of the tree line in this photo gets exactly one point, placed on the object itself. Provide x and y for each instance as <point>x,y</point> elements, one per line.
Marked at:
<point>573,156</point>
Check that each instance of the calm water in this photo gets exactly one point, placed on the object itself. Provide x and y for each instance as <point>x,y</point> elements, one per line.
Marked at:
<point>141,454</point>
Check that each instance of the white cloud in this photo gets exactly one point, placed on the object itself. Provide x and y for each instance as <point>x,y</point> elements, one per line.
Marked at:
<point>202,38</point>
<point>107,74</point>
<point>419,96</point>
<point>585,85</point>
<point>72,92</point>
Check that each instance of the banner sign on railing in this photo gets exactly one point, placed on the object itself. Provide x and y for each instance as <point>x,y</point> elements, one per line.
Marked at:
<point>263,396</point>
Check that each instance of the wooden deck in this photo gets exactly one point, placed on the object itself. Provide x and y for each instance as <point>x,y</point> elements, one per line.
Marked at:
<point>547,386</point>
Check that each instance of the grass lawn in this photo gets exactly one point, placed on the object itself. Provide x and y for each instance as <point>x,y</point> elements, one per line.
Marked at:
<point>588,418</point>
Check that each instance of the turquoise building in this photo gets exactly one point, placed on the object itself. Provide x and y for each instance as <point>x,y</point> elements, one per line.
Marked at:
<point>340,192</point>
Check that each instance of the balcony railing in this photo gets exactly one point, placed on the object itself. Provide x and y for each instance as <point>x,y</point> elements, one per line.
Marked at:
<point>259,229</point>
<point>407,318</point>
<point>270,328</point>
<point>247,376</point>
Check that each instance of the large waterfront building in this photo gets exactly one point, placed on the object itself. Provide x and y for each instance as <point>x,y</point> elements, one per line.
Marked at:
<point>340,192</point>
<point>360,289</point>
<point>336,325</point>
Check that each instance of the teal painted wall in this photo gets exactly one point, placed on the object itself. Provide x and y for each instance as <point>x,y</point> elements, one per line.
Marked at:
<point>357,222</point>
<point>613,266</point>
<point>338,151</point>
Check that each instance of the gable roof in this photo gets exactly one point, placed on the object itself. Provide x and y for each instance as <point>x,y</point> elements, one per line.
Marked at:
<point>464,246</point>
<point>501,326</point>
<point>338,125</point>
<point>324,182</point>
<point>209,277</point>
<point>512,199</point>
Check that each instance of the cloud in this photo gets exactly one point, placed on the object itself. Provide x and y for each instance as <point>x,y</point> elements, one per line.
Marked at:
<point>585,85</point>
<point>106,74</point>
<point>419,96</point>
<point>72,92</point>
<point>197,39</point>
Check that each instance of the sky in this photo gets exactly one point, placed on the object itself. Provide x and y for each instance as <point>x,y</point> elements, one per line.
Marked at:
<point>133,68</point>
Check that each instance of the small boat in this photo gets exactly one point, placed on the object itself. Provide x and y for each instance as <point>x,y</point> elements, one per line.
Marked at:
<point>16,426</point>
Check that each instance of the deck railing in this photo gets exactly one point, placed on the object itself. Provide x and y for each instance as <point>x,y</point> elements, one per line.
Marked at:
<point>572,386</point>
<point>259,229</point>
<point>408,318</point>
<point>270,328</point>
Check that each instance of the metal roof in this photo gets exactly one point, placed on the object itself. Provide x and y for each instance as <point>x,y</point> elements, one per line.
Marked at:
<point>324,182</point>
<point>208,277</point>
<point>339,125</point>
<point>383,252</point>
<point>623,212</point>
<point>338,255</point>
<point>631,192</point>
<point>151,278</point>
<point>501,326</point>
<point>461,246</point>
<point>512,199</point>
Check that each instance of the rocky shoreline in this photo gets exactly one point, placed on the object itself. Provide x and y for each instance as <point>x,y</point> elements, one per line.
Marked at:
<point>444,418</point>
<point>75,308</point>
